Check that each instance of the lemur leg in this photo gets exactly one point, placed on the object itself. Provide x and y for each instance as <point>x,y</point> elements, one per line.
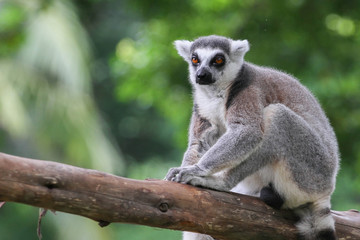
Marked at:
<point>300,160</point>
<point>302,173</point>
<point>297,172</point>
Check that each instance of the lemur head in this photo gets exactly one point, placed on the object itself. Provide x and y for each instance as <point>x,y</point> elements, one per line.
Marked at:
<point>213,60</point>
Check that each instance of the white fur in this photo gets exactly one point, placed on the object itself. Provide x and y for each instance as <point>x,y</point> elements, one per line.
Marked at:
<point>212,107</point>
<point>249,186</point>
<point>239,48</point>
<point>183,48</point>
<point>195,236</point>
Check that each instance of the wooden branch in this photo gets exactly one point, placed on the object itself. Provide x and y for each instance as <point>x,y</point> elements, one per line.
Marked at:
<point>107,198</point>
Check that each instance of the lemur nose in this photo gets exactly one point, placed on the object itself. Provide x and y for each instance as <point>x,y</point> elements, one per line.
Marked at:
<point>204,77</point>
<point>202,74</point>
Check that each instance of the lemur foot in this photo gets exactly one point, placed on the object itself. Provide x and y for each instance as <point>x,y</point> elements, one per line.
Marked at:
<point>271,197</point>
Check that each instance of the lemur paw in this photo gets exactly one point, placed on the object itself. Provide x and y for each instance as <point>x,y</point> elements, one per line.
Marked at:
<point>185,174</point>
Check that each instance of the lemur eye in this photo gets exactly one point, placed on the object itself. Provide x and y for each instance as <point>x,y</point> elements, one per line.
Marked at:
<point>218,60</point>
<point>194,60</point>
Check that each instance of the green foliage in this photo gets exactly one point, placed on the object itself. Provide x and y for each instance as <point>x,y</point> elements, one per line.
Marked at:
<point>11,19</point>
<point>46,105</point>
<point>45,88</point>
<point>134,232</point>
<point>20,222</point>
<point>146,61</point>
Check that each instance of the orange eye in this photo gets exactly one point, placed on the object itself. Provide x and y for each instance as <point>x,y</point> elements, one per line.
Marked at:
<point>194,60</point>
<point>219,60</point>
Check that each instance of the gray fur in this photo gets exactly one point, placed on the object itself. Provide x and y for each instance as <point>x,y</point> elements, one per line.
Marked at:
<point>257,126</point>
<point>212,41</point>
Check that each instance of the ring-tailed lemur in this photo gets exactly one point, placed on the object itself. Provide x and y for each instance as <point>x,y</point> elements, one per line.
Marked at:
<point>260,129</point>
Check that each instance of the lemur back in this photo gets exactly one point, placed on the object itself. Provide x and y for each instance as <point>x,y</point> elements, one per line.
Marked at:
<point>260,129</point>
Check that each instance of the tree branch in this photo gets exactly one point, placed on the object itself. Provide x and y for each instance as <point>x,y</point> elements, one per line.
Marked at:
<point>107,198</point>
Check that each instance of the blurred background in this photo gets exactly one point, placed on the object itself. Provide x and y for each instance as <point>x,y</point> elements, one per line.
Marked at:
<point>98,84</point>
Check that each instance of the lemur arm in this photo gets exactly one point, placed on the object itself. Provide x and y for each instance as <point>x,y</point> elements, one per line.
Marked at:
<point>197,144</point>
<point>231,149</point>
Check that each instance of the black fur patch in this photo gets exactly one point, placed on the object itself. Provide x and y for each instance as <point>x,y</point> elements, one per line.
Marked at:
<point>326,234</point>
<point>271,197</point>
<point>204,124</point>
<point>299,236</point>
<point>241,82</point>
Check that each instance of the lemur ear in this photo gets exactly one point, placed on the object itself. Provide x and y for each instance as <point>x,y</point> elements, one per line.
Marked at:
<point>239,48</point>
<point>183,48</point>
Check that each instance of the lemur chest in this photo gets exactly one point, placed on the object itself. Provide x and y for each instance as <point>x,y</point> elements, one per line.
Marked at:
<point>213,109</point>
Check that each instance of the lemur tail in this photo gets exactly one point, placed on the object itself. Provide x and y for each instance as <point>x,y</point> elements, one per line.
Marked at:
<point>316,222</point>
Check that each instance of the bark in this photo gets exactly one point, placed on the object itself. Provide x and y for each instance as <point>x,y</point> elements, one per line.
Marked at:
<point>106,198</point>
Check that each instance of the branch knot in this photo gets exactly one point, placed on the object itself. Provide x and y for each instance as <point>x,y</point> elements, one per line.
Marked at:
<point>163,207</point>
<point>51,182</point>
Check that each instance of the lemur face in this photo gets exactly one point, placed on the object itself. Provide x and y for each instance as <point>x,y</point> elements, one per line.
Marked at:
<point>207,65</point>
<point>213,60</point>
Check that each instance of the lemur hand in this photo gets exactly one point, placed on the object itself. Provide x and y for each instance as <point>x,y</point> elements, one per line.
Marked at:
<point>185,174</point>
